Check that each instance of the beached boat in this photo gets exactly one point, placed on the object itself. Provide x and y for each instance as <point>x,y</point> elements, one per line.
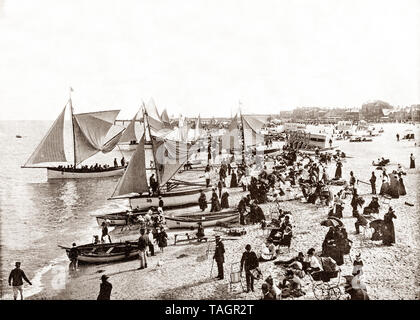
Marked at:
<point>105,252</point>
<point>90,132</point>
<point>360,139</point>
<point>164,158</point>
<point>207,219</point>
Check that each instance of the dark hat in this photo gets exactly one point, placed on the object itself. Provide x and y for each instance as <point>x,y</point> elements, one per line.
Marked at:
<point>217,237</point>
<point>74,244</point>
<point>104,277</point>
<point>17,263</point>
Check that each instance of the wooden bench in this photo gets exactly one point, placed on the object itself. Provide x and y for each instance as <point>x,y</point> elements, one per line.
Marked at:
<point>188,237</point>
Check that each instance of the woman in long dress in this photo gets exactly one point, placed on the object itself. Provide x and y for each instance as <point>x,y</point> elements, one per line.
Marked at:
<point>388,230</point>
<point>202,201</point>
<point>233,180</point>
<point>225,200</point>
<point>338,172</point>
<point>162,239</point>
<point>412,162</point>
<point>215,204</point>
<point>401,188</point>
<point>385,184</point>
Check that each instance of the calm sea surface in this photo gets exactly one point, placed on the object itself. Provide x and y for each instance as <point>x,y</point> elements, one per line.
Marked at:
<point>37,215</point>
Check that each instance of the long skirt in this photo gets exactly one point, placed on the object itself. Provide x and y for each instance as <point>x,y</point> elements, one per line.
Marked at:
<point>388,233</point>
<point>215,205</point>
<point>384,189</point>
<point>338,173</point>
<point>401,188</point>
<point>412,164</point>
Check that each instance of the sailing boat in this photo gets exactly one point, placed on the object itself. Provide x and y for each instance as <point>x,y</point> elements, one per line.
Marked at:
<point>89,138</point>
<point>128,140</point>
<point>161,158</point>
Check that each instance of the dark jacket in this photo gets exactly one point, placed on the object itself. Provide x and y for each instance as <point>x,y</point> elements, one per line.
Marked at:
<point>219,254</point>
<point>105,291</point>
<point>143,242</point>
<point>249,261</point>
<point>16,277</point>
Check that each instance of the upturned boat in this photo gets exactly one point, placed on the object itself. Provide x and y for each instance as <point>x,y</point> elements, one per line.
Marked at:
<point>207,219</point>
<point>90,136</point>
<point>105,252</point>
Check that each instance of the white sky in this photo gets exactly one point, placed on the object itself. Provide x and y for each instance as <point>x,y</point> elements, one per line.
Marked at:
<point>196,56</point>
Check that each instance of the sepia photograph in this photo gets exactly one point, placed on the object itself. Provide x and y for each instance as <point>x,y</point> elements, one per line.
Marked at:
<point>212,151</point>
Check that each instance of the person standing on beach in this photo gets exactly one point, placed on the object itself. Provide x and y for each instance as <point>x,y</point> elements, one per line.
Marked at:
<point>373,182</point>
<point>219,256</point>
<point>151,246</point>
<point>388,230</point>
<point>15,280</point>
<point>160,205</point>
<point>338,171</point>
<point>398,137</point>
<point>105,289</point>
<point>143,243</point>
<point>162,238</point>
<point>202,201</point>
<point>412,162</point>
<point>105,233</point>
<point>249,261</point>
<point>73,255</point>
<point>207,177</point>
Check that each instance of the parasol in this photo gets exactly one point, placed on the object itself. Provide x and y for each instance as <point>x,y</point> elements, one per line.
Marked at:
<point>332,222</point>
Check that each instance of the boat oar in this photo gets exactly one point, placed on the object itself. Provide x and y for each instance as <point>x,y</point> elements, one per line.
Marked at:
<point>363,182</point>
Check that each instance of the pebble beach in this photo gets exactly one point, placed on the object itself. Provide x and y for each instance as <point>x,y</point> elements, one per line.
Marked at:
<point>184,270</point>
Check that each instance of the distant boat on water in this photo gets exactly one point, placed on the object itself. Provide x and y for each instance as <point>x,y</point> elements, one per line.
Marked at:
<point>19,136</point>
<point>89,137</point>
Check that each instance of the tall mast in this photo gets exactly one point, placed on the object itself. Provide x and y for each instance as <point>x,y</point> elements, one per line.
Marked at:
<point>151,141</point>
<point>72,127</point>
<point>243,137</point>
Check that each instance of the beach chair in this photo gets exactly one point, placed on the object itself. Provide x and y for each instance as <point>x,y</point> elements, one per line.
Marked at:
<point>235,275</point>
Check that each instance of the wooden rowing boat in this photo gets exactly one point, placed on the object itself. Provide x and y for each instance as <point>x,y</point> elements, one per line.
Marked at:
<point>105,252</point>
<point>207,219</point>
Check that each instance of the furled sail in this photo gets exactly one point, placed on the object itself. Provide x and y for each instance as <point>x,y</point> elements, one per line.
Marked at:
<point>170,156</point>
<point>130,132</point>
<point>134,179</point>
<point>90,130</point>
<point>51,148</point>
<point>198,132</point>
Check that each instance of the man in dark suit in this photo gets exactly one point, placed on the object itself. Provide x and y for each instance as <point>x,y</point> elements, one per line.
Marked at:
<point>219,256</point>
<point>249,262</point>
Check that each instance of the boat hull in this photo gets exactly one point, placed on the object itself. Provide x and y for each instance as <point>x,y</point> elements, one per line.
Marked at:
<point>175,199</point>
<point>88,254</point>
<point>55,173</point>
<point>183,222</point>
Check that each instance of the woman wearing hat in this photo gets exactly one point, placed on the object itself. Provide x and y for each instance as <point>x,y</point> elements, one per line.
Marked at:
<point>105,289</point>
<point>388,228</point>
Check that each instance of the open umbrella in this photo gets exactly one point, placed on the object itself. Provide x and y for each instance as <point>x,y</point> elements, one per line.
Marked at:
<point>332,222</point>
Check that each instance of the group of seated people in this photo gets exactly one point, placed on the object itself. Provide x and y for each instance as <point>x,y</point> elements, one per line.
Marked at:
<point>85,168</point>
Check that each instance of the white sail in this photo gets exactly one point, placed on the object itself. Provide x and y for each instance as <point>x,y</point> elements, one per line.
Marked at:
<point>231,138</point>
<point>251,127</point>
<point>51,148</point>
<point>164,117</point>
<point>155,121</point>
<point>134,179</point>
<point>90,130</point>
<point>170,156</point>
<point>130,132</point>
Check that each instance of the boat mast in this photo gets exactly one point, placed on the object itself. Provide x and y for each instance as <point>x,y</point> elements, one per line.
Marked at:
<point>151,142</point>
<point>243,138</point>
<point>72,127</point>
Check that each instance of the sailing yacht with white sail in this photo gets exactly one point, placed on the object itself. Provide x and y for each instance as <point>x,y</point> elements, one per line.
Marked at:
<point>89,137</point>
<point>156,161</point>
